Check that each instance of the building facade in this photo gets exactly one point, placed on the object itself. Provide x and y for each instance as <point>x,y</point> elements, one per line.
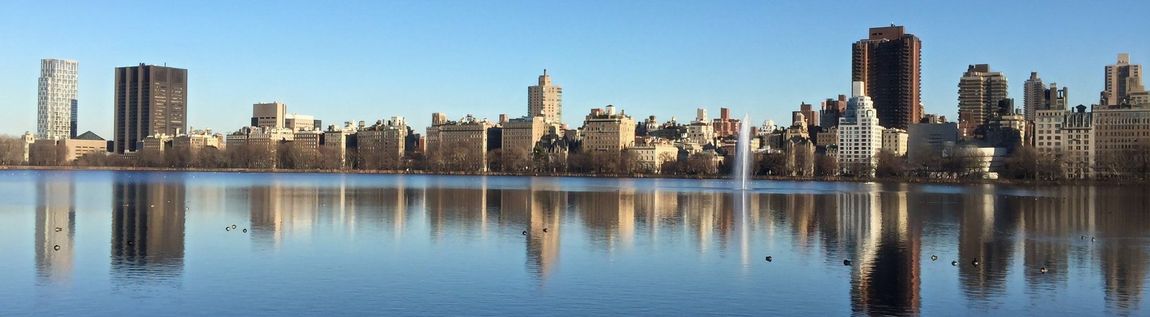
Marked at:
<point>149,100</point>
<point>606,130</point>
<point>56,102</point>
<point>1119,134</point>
<point>459,145</point>
<point>269,115</point>
<point>889,63</point>
<point>383,145</point>
<point>521,134</point>
<point>896,141</point>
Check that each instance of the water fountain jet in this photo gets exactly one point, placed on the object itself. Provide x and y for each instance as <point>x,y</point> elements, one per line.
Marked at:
<point>742,170</point>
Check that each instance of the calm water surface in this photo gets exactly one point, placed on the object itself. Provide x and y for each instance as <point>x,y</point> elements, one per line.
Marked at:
<point>103,243</point>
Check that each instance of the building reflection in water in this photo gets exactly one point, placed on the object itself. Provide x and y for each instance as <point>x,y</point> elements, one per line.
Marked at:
<point>1124,259</point>
<point>453,210</point>
<point>55,227</point>
<point>539,213</point>
<point>279,210</point>
<point>608,217</point>
<point>880,227</point>
<point>148,213</point>
<point>886,248</point>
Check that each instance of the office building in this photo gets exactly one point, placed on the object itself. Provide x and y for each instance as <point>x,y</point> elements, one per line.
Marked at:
<point>149,100</point>
<point>1039,97</point>
<point>269,115</point>
<point>56,103</point>
<point>889,64</point>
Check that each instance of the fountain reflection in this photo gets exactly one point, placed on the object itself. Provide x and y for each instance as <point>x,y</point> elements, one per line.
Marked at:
<point>55,227</point>
<point>148,213</point>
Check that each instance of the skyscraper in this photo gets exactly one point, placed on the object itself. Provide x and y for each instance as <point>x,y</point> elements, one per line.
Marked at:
<point>1122,80</point>
<point>1033,95</point>
<point>889,63</point>
<point>980,91</point>
<point>149,100</point>
<point>56,100</point>
<point>545,100</point>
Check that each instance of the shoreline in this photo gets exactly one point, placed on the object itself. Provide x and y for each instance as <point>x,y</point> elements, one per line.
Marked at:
<point>906,180</point>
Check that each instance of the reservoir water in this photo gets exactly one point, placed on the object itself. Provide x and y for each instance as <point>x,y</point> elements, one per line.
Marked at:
<point>165,243</point>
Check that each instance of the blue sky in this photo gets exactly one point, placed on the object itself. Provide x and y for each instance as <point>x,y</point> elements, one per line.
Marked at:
<point>366,60</point>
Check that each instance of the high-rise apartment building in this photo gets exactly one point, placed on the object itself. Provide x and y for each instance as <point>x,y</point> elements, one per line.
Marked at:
<point>1033,96</point>
<point>1039,97</point>
<point>545,100</point>
<point>980,92</point>
<point>832,110</point>
<point>1122,80</point>
<point>860,135</point>
<point>889,63</point>
<point>56,100</point>
<point>724,125</point>
<point>149,100</point>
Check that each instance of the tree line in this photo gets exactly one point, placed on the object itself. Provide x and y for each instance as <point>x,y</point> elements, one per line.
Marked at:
<point>1025,163</point>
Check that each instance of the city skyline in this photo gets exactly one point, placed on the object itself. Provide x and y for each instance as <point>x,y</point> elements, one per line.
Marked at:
<point>665,75</point>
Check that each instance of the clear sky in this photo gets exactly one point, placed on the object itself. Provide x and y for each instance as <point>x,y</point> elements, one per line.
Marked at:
<point>366,60</point>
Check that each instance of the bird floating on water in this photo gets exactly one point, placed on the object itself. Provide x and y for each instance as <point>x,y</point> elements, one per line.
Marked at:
<point>953,263</point>
<point>769,258</point>
<point>1043,270</point>
<point>847,262</point>
<point>975,262</point>
<point>934,258</point>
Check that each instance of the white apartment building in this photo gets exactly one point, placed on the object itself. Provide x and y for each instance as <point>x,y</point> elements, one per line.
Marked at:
<point>860,135</point>
<point>56,100</point>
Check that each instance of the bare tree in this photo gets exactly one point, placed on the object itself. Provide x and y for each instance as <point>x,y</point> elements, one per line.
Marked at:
<point>889,164</point>
<point>11,150</point>
<point>826,165</point>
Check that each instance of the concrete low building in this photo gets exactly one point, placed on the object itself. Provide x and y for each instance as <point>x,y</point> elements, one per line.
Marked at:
<point>926,140</point>
<point>66,150</point>
<point>984,161</point>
